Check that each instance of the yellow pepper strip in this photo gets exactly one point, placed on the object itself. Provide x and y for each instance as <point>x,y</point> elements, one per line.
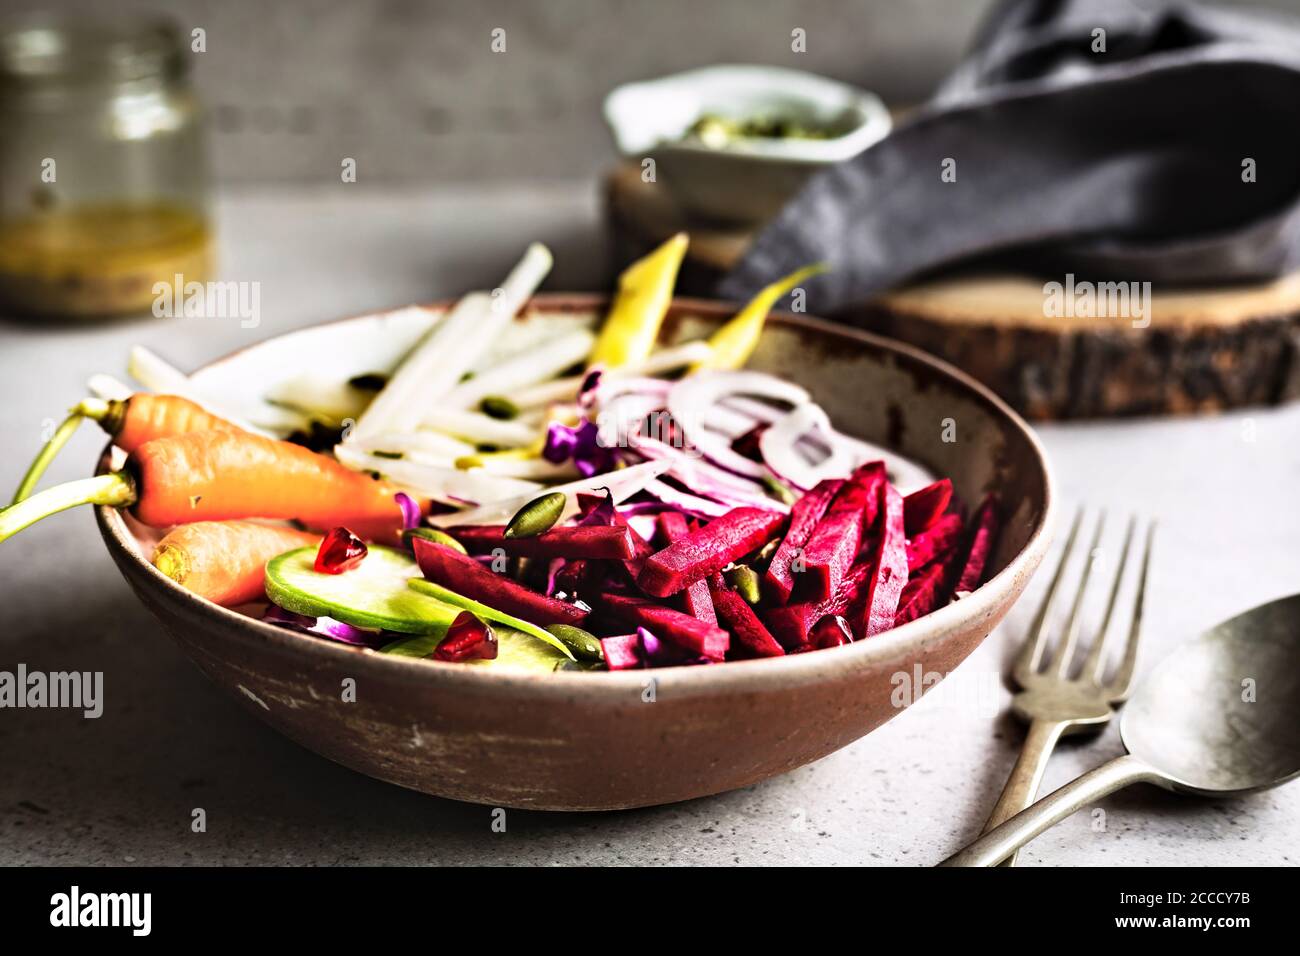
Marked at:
<point>735,342</point>
<point>645,290</point>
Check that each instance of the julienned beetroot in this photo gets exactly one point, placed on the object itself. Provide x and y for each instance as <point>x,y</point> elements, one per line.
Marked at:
<point>589,542</point>
<point>831,631</point>
<point>921,596</point>
<point>622,651</point>
<point>980,547</point>
<point>339,551</point>
<point>792,624</point>
<point>708,550</point>
<point>739,617</point>
<point>922,508</point>
<point>804,515</point>
<point>879,561</point>
<point>889,570</point>
<point>698,603</point>
<point>937,541</point>
<point>689,633</point>
<point>835,540</point>
<point>468,578</point>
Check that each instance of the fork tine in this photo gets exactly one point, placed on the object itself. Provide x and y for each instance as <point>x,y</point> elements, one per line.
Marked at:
<point>1123,682</point>
<point>1031,654</point>
<point>1094,665</point>
<point>1075,621</point>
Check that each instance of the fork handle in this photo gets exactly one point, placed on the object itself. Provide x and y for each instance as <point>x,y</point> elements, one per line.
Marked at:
<point>1002,841</point>
<point>1027,775</point>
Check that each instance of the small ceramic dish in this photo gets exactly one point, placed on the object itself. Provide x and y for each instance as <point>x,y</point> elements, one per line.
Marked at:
<point>748,179</point>
<point>597,741</point>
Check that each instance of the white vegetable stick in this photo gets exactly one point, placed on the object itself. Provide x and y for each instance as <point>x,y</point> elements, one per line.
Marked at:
<point>320,397</point>
<point>108,388</point>
<point>534,469</point>
<point>428,445</point>
<point>477,427</point>
<point>566,389</point>
<point>441,483</point>
<point>158,375</point>
<point>535,365</point>
<point>622,484</point>
<point>451,348</point>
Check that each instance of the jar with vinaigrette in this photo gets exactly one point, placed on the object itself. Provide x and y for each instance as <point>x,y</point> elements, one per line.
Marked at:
<point>104,187</point>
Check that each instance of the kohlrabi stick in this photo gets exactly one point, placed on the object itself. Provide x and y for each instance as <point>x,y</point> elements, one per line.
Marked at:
<point>451,348</point>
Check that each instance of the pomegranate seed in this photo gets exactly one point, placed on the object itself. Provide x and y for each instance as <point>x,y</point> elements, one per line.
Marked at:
<point>340,551</point>
<point>468,639</point>
<point>830,631</point>
<point>801,649</point>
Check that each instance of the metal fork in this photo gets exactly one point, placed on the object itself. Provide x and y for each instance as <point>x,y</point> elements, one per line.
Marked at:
<point>1051,701</point>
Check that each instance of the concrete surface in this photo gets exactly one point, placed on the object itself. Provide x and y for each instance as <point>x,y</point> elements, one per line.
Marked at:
<point>122,789</point>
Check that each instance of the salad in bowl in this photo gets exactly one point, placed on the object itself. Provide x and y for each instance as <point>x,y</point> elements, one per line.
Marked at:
<point>533,496</point>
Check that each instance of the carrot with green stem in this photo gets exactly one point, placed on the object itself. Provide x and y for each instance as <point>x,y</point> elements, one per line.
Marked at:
<point>130,423</point>
<point>219,475</point>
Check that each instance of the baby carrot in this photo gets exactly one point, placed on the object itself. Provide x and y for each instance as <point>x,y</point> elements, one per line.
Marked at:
<point>225,561</point>
<point>213,476</point>
<point>140,418</point>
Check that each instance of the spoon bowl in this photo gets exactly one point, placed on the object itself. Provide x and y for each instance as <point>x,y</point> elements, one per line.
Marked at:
<point>1221,715</point>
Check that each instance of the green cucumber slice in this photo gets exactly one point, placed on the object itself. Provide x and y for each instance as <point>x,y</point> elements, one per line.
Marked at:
<point>373,594</point>
<point>443,595</point>
<point>514,649</point>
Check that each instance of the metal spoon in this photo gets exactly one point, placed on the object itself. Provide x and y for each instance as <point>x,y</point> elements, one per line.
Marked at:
<point>1220,716</point>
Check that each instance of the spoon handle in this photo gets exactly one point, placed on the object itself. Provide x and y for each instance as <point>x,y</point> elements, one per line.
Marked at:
<point>1004,840</point>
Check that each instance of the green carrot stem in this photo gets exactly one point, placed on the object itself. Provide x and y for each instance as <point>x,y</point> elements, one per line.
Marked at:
<point>92,408</point>
<point>116,489</point>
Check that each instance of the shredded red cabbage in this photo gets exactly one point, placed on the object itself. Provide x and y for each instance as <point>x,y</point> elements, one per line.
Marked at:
<point>322,627</point>
<point>410,510</point>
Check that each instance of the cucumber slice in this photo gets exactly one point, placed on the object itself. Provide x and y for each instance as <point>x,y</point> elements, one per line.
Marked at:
<point>515,649</point>
<point>442,594</point>
<point>373,594</point>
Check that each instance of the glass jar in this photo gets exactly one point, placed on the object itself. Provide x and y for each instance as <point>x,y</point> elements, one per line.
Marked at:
<point>104,186</point>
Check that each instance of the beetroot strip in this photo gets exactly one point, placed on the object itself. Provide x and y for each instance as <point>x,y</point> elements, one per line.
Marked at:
<point>921,596</point>
<point>792,624</point>
<point>673,527</point>
<point>922,508</point>
<point>593,541</point>
<point>734,611</point>
<point>938,541</point>
<point>984,529</point>
<point>468,578</point>
<point>804,515</point>
<point>707,550</point>
<point>835,540</point>
<point>670,624</point>
<point>889,571</point>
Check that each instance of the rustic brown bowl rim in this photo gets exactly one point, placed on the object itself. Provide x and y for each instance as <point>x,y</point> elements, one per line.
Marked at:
<point>733,676</point>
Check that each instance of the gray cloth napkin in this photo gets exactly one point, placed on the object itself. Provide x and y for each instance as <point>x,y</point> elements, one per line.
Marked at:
<point>1125,164</point>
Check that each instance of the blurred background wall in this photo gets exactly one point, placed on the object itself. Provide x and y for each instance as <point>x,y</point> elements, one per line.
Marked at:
<point>412,91</point>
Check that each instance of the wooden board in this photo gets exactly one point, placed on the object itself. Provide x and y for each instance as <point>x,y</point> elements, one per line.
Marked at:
<point>1202,349</point>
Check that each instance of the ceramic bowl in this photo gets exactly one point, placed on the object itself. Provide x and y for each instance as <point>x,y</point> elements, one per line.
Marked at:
<point>748,180</point>
<point>598,741</point>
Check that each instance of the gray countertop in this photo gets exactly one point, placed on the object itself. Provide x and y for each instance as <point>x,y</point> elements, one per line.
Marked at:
<point>122,788</point>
